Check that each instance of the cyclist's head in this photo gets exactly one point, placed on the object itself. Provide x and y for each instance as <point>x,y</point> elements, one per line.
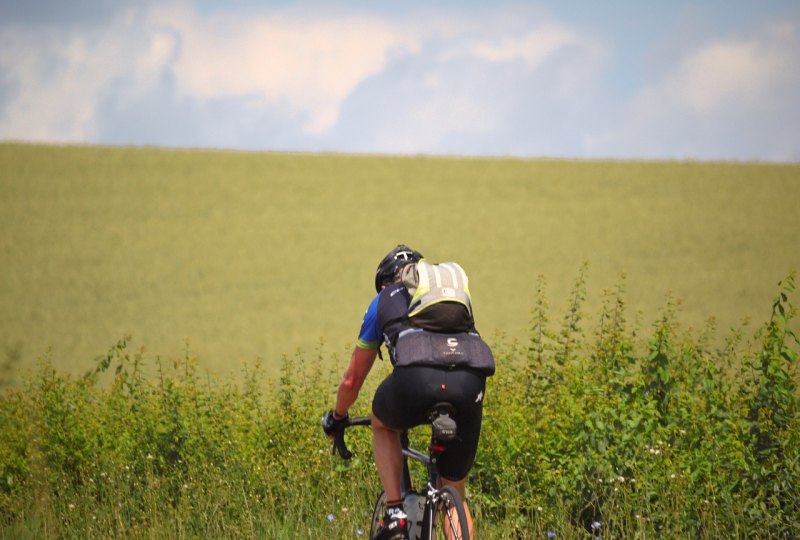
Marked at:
<point>391,265</point>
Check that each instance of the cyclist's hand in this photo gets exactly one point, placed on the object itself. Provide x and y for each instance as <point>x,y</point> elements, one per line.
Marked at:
<point>331,425</point>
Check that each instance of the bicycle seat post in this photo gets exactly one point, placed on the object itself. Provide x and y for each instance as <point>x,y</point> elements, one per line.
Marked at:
<point>443,430</point>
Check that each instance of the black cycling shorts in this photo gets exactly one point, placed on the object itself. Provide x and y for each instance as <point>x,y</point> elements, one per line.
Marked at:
<point>404,400</point>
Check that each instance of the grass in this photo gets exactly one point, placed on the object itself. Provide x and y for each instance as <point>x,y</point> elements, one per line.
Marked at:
<point>252,255</point>
<point>589,430</point>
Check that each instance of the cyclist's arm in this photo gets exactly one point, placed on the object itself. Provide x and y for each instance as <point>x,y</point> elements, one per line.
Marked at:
<point>354,376</point>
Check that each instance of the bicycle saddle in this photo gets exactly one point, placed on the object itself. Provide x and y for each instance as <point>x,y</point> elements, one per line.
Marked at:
<point>442,423</point>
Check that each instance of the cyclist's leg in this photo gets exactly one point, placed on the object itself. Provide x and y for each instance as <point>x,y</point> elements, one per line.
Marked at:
<point>388,457</point>
<point>401,401</point>
<point>465,390</point>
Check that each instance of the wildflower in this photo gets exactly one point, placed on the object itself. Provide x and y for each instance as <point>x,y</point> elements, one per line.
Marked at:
<point>539,508</point>
<point>595,525</point>
<point>330,518</point>
<point>360,532</point>
<point>551,534</point>
<point>71,506</point>
<point>672,476</point>
<point>621,479</point>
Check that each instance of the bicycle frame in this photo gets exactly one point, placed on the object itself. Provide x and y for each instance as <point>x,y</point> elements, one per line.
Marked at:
<point>432,492</point>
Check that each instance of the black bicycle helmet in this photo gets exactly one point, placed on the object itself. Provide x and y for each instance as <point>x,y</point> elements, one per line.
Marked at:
<point>389,268</point>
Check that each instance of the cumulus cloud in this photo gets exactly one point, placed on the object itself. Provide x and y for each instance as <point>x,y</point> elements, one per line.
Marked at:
<point>307,65</point>
<point>533,47</point>
<point>507,79</point>
<point>264,60</point>
<point>744,71</point>
<point>53,78</point>
<point>727,98</point>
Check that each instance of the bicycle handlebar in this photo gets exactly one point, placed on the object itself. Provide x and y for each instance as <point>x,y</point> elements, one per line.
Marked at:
<point>338,442</point>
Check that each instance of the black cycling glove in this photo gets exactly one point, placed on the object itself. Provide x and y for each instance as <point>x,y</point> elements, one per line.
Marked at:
<point>331,425</point>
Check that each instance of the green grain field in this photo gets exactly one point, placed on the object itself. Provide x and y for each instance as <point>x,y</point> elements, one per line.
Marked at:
<point>632,397</point>
<point>244,256</point>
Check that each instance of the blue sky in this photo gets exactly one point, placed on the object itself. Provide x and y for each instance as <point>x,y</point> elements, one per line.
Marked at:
<point>619,79</point>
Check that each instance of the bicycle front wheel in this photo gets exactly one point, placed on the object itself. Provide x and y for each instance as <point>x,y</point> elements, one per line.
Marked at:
<point>377,515</point>
<point>449,517</point>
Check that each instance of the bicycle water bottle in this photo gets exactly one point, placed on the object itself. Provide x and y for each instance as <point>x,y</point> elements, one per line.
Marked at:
<point>414,507</point>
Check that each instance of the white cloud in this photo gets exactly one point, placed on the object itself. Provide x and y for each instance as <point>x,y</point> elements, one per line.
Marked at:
<point>743,71</point>
<point>531,48</point>
<point>729,98</point>
<point>159,48</point>
<point>308,65</point>
<point>305,65</point>
<point>719,72</point>
<point>266,60</point>
<point>500,79</point>
<point>55,80</point>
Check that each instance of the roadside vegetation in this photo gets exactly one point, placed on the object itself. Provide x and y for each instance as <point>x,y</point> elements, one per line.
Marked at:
<point>610,430</point>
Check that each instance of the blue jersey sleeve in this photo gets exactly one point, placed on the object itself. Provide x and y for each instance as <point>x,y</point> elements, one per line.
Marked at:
<point>370,335</point>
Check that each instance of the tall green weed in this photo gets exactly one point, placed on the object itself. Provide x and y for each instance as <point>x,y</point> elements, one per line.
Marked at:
<point>594,427</point>
<point>659,437</point>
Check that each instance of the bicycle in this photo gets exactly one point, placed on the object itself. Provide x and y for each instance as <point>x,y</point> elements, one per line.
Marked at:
<point>424,510</point>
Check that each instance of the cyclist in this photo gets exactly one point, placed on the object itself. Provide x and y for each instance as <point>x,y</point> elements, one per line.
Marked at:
<point>404,399</point>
